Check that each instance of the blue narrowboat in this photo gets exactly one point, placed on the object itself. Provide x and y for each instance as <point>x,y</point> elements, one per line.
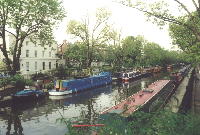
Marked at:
<point>64,87</point>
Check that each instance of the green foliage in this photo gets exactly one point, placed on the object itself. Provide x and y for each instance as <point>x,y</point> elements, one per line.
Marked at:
<point>107,68</point>
<point>2,66</point>
<point>184,27</point>
<point>136,51</point>
<point>93,37</point>
<point>153,54</point>
<point>75,54</point>
<point>4,82</point>
<point>132,48</point>
<point>114,56</point>
<point>61,72</point>
<point>49,86</point>
<point>28,82</point>
<point>18,81</point>
<point>41,76</point>
<point>162,122</point>
<point>185,37</point>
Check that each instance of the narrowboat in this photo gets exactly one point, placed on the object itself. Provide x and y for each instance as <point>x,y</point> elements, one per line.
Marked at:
<point>128,76</point>
<point>28,95</point>
<point>64,87</point>
<point>146,98</point>
<point>178,76</point>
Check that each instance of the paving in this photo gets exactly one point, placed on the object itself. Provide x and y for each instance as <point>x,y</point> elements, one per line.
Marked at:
<point>175,101</point>
<point>196,92</point>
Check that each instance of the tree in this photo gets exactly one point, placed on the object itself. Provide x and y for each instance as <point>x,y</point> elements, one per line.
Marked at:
<point>159,13</point>
<point>93,36</point>
<point>27,18</point>
<point>185,39</point>
<point>153,54</point>
<point>132,47</point>
<point>76,54</point>
<point>114,56</point>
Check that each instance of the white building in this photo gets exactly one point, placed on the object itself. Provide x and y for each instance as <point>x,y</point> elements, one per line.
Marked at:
<point>36,58</point>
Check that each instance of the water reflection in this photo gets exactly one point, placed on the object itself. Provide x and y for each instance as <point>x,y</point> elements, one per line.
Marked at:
<point>42,116</point>
<point>14,119</point>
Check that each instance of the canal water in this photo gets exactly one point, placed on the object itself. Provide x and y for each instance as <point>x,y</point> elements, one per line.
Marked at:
<point>42,118</point>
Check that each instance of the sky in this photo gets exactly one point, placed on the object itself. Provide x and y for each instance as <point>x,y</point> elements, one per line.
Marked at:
<point>127,20</point>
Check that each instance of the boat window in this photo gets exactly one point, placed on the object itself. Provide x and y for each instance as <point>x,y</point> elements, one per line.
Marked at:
<point>125,75</point>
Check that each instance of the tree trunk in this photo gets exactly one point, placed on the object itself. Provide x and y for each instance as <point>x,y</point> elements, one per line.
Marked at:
<point>4,51</point>
<point>16,57</point>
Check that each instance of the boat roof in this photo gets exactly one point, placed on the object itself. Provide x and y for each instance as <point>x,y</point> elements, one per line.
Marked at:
<point>132,103</point>
<point>99,75</point>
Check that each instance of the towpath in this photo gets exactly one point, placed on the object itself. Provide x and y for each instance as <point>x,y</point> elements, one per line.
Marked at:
<point>176,101</point>
<point>196,92</point>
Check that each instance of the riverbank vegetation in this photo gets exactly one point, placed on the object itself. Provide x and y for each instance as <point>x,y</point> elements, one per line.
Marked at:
<point>99,43</point>
<point>163,122</point>
<point>18,81</point>
<point>131,52</point>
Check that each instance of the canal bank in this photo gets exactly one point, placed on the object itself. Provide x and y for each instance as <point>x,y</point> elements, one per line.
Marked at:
<point>181,99</point>
<point>195,106</point>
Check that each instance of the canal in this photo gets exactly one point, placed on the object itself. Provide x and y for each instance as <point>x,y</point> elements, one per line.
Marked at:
<point>41,118</point>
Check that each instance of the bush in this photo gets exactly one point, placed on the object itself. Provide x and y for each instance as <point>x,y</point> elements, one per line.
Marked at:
<point>60,72</point>
<point>19,82</point>
<point>4,82</point>
<point>140,123</point>
<point>49,86</point>
<point>107,68</point>
<point>41,76</point>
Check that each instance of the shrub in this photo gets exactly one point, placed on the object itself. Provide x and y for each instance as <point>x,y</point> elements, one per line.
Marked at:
<point>49,86</point>
<point>140,123</point>
<point>4,82</point>
<point>60,72</point>
<point>41,76</point>
<point>18,81</point>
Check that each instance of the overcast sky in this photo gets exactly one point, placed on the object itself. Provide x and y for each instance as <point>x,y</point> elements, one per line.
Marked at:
<point>130,21</point>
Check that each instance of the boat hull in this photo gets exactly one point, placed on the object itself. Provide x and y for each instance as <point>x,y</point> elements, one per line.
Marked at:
<point>59,93</point>
<point>135,77</point>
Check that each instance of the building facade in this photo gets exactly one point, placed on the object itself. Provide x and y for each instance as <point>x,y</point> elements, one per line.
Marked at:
<point>36,58</point>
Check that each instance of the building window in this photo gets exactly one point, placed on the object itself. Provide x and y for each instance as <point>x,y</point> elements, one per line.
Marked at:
<point>27,42</point>
<point>49,65</point>
<point>50,54</point>
<point>56,65</point>
<point>43,64</point>
<point>27,53</point>
<point>35,53</point>
<point>27,66</point>
<point>36,65</point>
<point>42,53</point>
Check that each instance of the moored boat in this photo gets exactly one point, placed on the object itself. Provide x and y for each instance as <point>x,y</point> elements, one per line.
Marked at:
<point>141,99</point>
<point>179,75</point>
<point>28,95</point>
<point>128,76</point>
<point>65,87</point>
